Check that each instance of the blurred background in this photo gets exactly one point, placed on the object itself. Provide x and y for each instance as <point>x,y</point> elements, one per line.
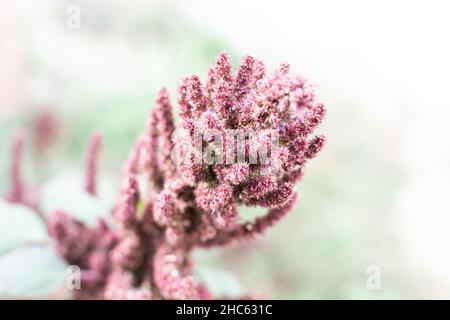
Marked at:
<point>375,199</point>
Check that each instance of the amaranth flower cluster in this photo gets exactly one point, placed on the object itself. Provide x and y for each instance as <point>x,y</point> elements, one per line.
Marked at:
<point>191,200</point>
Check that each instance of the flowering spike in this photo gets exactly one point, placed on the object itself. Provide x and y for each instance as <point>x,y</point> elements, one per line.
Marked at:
<point>45,128</point>
<point>166,127</point>
<point>150,151</point>
<point>226,216</point>
<point>315,117</point>
<point>244,76</point>
<point>222,67</point>
<point>164,209</point>
<point>276,199</point>
<point>220,85</point>
<point>315,146</point>
<point>171,273</point>
<point>250,229</point>
<point>128,254</point>
<point>234,174</point>
<point>195,94</point>
<point>73,239</point>
<point>183,101</point>
<point>134,162</point>
<point>125,211</point>
<point>259,187</point>
<point>212,199</point>
<point>119,286</point>
<point>283,69</point>
<point>17,186</point>
<point>174,235</point>
<point>92,155</point>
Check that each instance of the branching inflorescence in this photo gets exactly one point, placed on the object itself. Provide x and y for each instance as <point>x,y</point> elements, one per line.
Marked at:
<point>243,140</point>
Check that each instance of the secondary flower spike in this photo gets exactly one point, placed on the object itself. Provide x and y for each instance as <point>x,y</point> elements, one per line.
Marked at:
<point>20,192</point>
<point>17,187</point>
<point>243,139</point>
<point>92,155</point>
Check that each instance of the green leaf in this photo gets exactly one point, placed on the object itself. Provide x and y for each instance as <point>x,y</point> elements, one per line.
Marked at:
<point>19,225</point>
<point>67,193</point>
<point>30,272</point>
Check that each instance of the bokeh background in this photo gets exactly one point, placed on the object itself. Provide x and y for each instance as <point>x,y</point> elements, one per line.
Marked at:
<point>377,196</point>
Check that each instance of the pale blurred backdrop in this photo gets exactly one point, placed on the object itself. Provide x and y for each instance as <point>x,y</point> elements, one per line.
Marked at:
<point>378,194</point>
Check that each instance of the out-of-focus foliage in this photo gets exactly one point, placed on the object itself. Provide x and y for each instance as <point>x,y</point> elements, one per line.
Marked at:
<point>31,272</point>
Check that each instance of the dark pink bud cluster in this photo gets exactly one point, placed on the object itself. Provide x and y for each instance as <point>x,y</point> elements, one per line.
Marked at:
<point>268,107</point>
<point>87,248</point>
<point>245,141</point>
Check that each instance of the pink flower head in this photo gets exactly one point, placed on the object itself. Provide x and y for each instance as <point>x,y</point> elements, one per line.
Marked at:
<point>278,108</point>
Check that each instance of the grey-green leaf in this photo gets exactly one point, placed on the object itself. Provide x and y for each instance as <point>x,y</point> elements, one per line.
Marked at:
<point>67,193</point>
<point>31,272</point>
<point>19,225</point>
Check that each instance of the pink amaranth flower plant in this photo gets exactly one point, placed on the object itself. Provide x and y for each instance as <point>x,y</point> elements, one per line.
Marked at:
<point>197,180</point>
